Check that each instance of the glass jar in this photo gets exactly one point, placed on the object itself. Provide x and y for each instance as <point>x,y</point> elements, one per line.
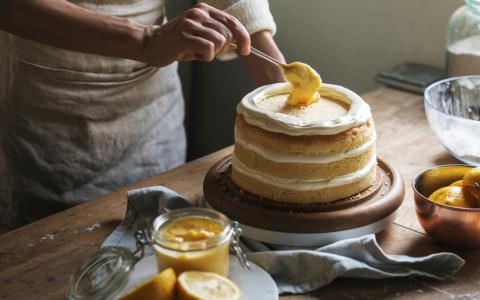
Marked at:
<point>104,274</point>
<point>463,40</point>
<point>196,247</point>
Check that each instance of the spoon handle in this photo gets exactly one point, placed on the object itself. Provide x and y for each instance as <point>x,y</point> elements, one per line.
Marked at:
<point>260,54</point>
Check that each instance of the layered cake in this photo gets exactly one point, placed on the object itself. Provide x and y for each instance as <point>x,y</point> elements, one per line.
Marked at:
<point>316,153</point>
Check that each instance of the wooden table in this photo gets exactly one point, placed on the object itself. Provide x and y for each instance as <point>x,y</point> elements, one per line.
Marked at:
<point>36,260</point>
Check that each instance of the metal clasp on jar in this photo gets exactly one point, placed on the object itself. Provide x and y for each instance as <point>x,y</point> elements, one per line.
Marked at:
<point>235,246</point>
<point>143,238</point>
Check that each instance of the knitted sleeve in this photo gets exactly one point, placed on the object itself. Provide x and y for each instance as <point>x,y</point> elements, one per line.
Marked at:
<point>253,14</point>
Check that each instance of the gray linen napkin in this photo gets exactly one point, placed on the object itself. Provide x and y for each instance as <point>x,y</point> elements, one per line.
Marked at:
<point>294,270</point>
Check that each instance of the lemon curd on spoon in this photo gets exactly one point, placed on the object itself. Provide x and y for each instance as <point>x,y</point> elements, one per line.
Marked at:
<point>305,83</point>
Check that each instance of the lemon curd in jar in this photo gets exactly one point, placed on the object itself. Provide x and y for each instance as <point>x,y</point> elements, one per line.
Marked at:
<point>193,239</point>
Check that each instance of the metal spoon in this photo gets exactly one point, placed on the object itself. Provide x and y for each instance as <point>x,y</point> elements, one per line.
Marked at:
<point>260,54</point>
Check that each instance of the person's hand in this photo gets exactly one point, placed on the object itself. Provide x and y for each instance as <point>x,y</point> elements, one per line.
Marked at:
<point>200,33</point>
<point>264,72</point>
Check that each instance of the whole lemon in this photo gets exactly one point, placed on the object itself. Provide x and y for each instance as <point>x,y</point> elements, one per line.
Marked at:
<point>451,195</point>
<point>437,178</point>
<point>471,184</point>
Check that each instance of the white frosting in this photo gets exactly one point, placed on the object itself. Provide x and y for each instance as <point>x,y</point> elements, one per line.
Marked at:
<point>358,113</point>
<point>286,157</point>
<point>304,185</point>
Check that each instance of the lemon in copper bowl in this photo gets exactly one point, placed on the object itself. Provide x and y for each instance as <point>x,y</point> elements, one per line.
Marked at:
<point>447,203</point>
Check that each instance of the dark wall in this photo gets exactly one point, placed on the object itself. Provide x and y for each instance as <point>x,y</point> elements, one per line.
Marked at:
<point>216,89</point>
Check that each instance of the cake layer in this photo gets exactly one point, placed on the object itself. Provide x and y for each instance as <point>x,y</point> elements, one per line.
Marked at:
<point>309,144</point>
<point>295,170</point>
<point>303,184</point>
<point>262,186</point>
<point>317,153</point>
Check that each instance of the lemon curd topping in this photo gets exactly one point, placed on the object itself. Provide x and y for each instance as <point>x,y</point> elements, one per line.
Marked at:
<point>191,229</point>
<point>324,110</point>
<point>305,83</point>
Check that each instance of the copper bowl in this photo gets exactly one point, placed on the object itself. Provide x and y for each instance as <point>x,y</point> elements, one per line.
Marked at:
<point>452,226</point>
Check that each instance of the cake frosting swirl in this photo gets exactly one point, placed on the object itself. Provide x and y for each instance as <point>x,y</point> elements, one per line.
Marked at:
<point>358,112</point>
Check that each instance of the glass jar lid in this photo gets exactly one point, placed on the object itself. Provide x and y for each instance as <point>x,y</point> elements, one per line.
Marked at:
<point>102,275</point>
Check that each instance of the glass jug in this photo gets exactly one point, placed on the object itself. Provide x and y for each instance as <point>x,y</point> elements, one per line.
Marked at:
<point>463,40</point>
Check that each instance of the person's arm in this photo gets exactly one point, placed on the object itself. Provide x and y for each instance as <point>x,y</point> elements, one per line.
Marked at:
<point>255,15</point>
<point>264,72</point>
<point>199,33</point>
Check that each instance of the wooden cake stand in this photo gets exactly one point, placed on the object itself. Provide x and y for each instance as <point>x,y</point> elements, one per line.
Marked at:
<point>289,224</point>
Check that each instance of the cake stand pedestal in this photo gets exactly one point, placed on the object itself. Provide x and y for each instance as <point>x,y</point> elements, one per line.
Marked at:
<point>290,224</point>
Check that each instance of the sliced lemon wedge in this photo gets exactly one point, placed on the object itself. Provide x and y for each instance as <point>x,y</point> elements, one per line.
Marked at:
<point>161,287</point>
<point>195,285</point>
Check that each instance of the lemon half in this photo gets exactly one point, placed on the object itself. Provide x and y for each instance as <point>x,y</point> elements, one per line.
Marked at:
<point>161,287</point>
<point>195,285</point>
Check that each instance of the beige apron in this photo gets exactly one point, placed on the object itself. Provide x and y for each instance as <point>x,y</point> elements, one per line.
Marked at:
<point>74,126</point>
